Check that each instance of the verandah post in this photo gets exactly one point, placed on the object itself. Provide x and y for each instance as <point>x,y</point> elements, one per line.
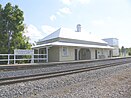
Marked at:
<point>46,54</point>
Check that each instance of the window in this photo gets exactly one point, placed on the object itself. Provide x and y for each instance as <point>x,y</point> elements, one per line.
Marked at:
<point>65,51</point>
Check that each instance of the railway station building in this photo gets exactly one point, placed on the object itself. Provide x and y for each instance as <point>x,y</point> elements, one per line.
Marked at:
<point>68,45</point>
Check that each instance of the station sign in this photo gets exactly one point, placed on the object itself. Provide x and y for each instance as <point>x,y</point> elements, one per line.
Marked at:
<point>23,52</point>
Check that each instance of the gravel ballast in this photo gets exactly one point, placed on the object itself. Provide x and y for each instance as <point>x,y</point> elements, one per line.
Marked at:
<point>113,82</point>
<point>56,68</point>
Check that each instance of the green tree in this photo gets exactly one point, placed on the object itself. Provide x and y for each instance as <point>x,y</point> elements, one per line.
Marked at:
<point>11,29</point>
<point>128,51</point>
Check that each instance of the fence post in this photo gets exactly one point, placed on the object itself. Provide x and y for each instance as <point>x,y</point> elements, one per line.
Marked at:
<point>14,58</point>
<point>8,59</point>
<point>32,58</point>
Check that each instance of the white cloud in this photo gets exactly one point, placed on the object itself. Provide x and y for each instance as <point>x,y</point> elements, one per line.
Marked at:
<point>59,13</point>
<point>48,29</point>
<point>52,17</point>
<point>84,1</point>
<point>66,2</point>
<point>65,10</point>
<point>70,2</point>
<point>33,33</point>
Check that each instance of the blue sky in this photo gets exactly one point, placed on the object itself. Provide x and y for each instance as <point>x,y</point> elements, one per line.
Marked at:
<point>104,18</point>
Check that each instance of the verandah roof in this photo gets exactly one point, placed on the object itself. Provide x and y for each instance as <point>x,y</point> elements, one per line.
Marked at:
<point>71,44</point>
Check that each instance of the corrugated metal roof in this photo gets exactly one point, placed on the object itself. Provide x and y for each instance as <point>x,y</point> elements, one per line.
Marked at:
<point>71,34</point>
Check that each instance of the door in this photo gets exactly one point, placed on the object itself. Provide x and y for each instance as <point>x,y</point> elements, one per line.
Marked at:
<point>95,54</point>
<point>110,53</point>
<point>76,54</point>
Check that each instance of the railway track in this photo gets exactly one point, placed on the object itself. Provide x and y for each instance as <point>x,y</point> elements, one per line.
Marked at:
<point>18,79</point>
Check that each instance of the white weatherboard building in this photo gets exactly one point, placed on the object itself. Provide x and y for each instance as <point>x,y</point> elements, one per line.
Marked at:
<point>67,45</point>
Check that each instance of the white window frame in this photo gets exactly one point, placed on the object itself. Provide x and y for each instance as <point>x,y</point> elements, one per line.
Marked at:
<point>65,51</point>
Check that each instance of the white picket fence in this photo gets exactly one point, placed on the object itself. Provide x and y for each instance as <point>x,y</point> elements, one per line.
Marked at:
<point>32,58</point>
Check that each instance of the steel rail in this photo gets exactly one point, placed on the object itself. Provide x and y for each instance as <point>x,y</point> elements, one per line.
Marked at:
<point>18,79</point>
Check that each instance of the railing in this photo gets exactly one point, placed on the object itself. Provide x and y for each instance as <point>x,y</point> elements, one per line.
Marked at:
<point>13,58</point>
